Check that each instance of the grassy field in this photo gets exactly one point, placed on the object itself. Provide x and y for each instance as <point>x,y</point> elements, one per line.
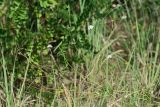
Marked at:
<point>121,69</point>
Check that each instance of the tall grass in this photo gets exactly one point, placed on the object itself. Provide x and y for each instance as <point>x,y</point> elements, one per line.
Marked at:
<point>124,72</point>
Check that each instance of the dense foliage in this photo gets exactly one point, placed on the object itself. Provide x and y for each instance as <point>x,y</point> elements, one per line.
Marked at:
<point>53,45</point>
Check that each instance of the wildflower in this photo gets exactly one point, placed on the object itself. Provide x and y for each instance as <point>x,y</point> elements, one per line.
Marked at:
<point>49,46</point>
<point>116,5</point>
<point>90,27</point>
<point>109,56</point>
<point>124,17</point>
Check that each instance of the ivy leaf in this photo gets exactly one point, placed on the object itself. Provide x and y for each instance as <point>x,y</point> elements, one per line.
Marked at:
<point>44,4</point>
<point>48,3</point>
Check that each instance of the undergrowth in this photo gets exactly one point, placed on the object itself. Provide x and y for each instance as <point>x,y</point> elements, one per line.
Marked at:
<point>82,53</point>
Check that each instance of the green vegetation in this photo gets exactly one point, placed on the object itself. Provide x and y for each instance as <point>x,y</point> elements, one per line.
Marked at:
<point>79,53</point>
